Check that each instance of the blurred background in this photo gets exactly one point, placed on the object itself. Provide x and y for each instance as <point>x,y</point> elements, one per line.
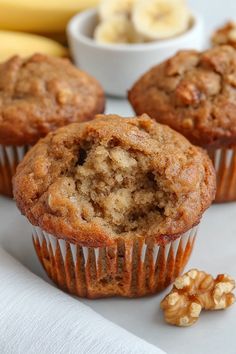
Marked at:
<point>215,12</point>
<point>49,18</point>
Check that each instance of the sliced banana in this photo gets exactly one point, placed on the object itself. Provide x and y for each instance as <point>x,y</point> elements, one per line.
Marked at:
<point>118,29</point>
<point>111,8</point>
<point>160,19</point>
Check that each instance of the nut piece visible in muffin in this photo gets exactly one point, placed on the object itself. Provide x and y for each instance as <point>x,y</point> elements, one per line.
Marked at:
<point>42,93</point>
<point>225,35</point>
<point>194,93</point>
<point>113,178</point>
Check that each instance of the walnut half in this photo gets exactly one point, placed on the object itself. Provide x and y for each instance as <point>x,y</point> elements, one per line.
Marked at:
<point>196,291</point>
<point>225,35</point>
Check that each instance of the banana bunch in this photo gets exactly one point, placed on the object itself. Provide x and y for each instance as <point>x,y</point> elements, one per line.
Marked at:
<point>40,16</point>
<point>46,18</point>
<point>25,44</point>
<point>136,21</point>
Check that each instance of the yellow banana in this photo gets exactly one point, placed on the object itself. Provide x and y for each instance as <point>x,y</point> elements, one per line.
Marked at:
<point>40,15</point>
<point>56,36</point>
<point>25,44</point>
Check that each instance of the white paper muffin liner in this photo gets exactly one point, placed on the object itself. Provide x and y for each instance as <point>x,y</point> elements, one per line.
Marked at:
<point>129,268</point>
<point>224,161</point>
<point>10,156</point>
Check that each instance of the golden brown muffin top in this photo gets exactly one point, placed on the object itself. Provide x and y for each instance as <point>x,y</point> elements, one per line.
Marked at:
<point>194,93</point>
<point>225,35</point>
<point>42,93</point>
<point>114,177</point>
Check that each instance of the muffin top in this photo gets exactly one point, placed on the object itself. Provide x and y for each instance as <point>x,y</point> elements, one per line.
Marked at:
<point>194,93</point>
<point>114,177</point>
<point>42,93</point>
<point>225,35</point>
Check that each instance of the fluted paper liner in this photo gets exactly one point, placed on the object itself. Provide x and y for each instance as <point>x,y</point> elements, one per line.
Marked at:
<point>129,268</point>
<point>10,156</point>
<point>224,161</point>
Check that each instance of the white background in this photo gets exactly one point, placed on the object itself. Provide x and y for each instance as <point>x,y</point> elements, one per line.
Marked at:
<point>215,251</point>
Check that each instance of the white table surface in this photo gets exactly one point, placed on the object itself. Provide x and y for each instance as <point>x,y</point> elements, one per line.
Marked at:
<point>215,252</point>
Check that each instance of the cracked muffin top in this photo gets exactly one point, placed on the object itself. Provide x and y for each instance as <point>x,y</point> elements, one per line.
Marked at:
<point>42,93</point>
<point>114,177</point>
<point>194,93</point>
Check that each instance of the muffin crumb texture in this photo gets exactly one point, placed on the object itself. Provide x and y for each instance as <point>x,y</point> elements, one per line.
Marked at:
<point>112,178</point>
<point>118,186</point>
<point>194,93</point>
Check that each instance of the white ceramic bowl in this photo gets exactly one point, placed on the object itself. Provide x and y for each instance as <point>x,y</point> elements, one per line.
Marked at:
<point>117,67</point>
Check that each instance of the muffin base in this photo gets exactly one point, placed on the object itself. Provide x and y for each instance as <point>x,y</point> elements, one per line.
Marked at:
<point>128,269</point>
<point>10,156</point>
<point>224,161</point>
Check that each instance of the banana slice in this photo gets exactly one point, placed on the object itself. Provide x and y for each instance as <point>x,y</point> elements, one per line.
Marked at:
<point>111,8</point>
<point>117,29</point>
<point>160,19</point>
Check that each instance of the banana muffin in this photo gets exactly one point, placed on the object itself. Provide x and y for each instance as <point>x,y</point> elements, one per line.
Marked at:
<point>225,35</point>
<point>114,204</point>
<point>195,94</point>
<point>38,95</point>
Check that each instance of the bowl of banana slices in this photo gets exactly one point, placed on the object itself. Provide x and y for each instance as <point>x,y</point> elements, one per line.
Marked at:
<point>121,39</point>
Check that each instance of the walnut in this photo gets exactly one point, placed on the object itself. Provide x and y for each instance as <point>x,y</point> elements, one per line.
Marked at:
<point>64,96</point>
<point>187,94</point>
<point>188,123</point>
<point>196,291</point>
<point>225,35</point>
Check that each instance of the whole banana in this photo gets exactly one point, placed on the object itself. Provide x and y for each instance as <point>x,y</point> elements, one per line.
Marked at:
<point>38,15</point>
<point>25,44</point>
